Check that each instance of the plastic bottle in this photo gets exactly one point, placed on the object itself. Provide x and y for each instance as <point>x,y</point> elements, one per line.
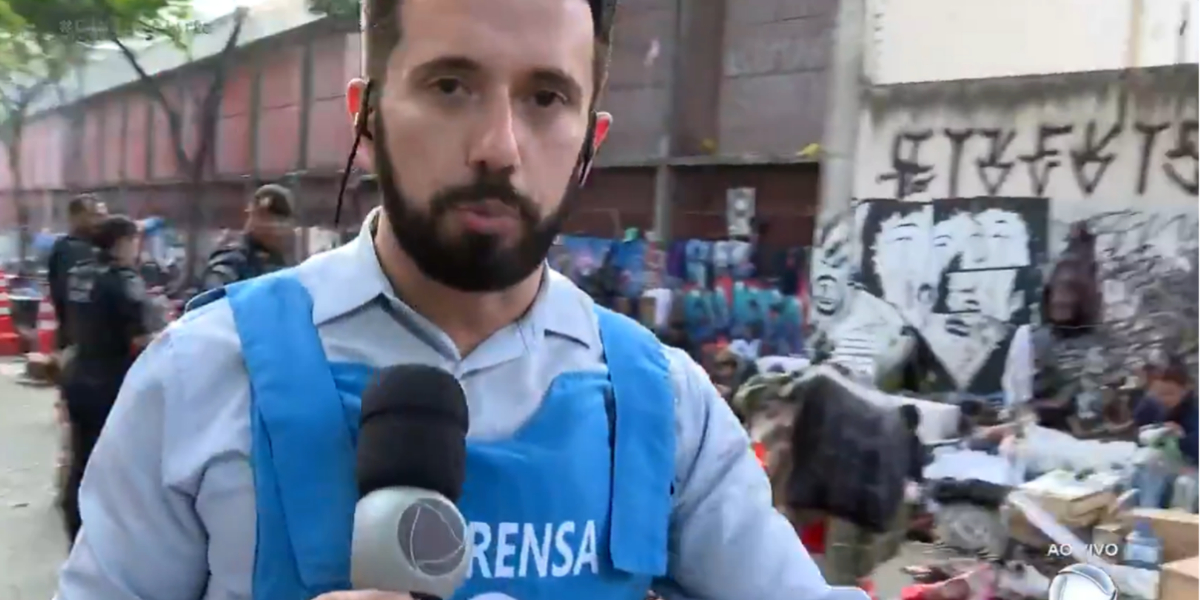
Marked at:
<point>1183,495</point>
<point>1143,549</point>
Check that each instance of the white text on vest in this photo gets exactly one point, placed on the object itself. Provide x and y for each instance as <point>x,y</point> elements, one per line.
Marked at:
<point>511,550</point>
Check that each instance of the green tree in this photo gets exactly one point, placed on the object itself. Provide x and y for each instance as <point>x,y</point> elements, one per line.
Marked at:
<point>338,9</point>
<point>90,22</point>
<point>31,64</point>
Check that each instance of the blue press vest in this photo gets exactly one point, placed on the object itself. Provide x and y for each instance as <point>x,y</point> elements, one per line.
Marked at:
<point>576,504</point>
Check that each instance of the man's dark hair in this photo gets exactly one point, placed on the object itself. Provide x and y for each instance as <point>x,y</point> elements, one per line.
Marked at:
<point>382,31</point>
<point>1175,371</point>
<point>275,199</point>
<point>113,229</point>
<point>82,204</point>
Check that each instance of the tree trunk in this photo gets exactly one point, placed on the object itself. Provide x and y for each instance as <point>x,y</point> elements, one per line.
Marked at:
<point>18,189</point>
<point>194,166</point>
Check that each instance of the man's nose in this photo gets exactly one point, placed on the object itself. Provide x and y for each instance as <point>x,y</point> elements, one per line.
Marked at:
<point>495,147</point>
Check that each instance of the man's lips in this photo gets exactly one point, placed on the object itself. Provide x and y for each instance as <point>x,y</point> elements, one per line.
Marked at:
<point>489,216</point>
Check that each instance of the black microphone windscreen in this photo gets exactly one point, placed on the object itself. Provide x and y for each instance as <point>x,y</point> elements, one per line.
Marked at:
<point>413,432</point>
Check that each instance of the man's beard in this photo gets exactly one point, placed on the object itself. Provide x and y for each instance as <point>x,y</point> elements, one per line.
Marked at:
<point>470,261</point>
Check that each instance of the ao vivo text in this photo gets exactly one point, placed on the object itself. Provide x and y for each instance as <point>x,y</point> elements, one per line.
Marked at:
<point>1098,550</point>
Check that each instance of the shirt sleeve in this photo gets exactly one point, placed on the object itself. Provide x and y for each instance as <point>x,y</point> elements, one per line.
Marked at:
<point>141,540</point>
<point>727,541</point>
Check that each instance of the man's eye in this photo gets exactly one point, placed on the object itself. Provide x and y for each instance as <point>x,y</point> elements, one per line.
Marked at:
<point>546,98</point>
<point>448,86</point>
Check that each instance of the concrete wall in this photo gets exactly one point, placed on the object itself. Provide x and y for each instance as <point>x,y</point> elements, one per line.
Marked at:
<point>944,40</point>
<point>965,193</point>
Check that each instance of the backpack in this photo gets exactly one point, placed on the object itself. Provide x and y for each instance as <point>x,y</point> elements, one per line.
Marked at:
<point>850,456</point>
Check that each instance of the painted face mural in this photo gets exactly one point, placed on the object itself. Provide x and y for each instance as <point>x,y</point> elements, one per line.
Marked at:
<point>832,267</point>
<point>902,255</point>
<point>952,269</point>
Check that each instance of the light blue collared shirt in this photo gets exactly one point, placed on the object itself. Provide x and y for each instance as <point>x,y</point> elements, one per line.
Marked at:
<point>168,500</point>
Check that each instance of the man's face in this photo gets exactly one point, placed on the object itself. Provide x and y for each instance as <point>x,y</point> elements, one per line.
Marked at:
<point>1167,392</point>
<point>270,229</point>
<point>125,251</point>
<point>1065,299</point>
<point>479,128</point>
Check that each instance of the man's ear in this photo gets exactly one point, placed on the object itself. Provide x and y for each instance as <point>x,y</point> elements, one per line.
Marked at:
<point>599,134</point>
<point>357,109</point>
<point>603,124</point>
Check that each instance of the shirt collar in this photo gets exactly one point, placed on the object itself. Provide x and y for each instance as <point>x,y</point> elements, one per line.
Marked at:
<point>350,277</point>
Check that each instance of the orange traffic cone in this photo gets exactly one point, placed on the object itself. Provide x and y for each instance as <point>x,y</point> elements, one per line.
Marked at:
<point>10,340</point>
<point>47,327</point>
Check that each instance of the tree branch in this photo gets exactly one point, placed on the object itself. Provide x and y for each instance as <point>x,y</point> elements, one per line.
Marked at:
<point>174,121</point>
<point>212,98</point>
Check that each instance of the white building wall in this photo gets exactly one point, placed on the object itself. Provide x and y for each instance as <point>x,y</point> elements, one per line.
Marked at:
<point>941,40</point>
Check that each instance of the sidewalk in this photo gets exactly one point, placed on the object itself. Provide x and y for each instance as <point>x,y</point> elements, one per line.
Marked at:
<point>32,542</point>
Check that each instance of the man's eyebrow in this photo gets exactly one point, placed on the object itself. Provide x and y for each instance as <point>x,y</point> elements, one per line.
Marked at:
<point>444,64</point>
<point>557,78</point>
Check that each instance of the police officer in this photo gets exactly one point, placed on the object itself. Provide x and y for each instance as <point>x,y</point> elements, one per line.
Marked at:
<point>83,212</point>
<point>262,246</point>
<point>106,302</point>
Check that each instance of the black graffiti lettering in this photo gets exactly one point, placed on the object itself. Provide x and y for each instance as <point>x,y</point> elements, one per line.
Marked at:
<point>1044,156</point>
<point>1149,134</point>
<point>1184,149</point>
<point>1093,153</point>
<point>992,168</point>
<point>958,139</point>
<point>910,175</point>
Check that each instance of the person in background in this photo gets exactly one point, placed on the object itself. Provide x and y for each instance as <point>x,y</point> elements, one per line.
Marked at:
<point>1146,410</point>
<point>263,245</point>
<point>750,346</point>
<point>106,304</point>
<point>83,213</point>
<point>917,453</point>
<point>1174,395</point>
<point>780,338</point>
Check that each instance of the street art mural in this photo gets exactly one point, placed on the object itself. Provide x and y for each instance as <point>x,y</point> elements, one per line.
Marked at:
<point>960,273</point>
<point>951,278</point>
<point>717,290</point>
<point>965,205</point>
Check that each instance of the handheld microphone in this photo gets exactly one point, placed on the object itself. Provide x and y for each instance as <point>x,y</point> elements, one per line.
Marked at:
<point>412,448</point>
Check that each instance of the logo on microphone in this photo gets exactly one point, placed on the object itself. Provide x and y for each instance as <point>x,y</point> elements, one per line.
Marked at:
<point>1082,582</point>
<point>432,537</point>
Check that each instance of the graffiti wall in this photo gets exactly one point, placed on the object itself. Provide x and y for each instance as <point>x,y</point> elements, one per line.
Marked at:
<point>717,290</point>
<point>966,193</point>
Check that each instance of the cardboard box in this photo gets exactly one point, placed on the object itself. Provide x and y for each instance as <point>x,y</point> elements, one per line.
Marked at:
<point>1110,533</point>
<point>1178,580</point>
<point>1073,503</point>
<point>1178,530</point>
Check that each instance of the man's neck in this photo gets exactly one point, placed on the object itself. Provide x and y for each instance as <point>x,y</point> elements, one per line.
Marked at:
<point>467,318</point>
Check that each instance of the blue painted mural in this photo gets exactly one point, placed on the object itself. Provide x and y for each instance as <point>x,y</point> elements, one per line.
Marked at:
<point>727,289</point>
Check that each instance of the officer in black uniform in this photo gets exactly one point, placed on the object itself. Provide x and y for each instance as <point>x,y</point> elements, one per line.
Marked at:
<point>106,301</point>
<point>265,240</point>
<point>84,212</point>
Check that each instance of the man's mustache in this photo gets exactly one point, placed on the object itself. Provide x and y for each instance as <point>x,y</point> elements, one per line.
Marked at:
<point>483,190</point>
